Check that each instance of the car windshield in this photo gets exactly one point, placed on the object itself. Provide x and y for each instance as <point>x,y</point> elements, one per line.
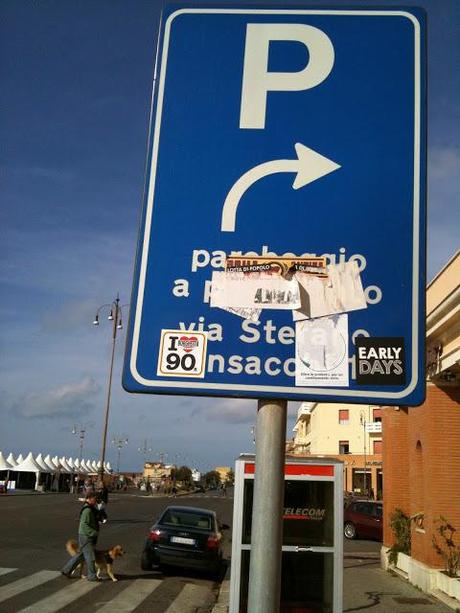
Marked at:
<point>179,517</point>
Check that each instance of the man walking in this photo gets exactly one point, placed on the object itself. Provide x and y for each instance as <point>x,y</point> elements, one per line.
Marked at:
<point>88,531</point>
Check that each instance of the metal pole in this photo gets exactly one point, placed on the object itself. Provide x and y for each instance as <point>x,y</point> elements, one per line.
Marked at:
<point>82,438</point>
<point>267,512</point>
<point>365,469</point>
<point>109,390</point>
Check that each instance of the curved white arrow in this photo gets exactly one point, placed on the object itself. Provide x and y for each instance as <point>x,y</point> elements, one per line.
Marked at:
<point>308,167</point>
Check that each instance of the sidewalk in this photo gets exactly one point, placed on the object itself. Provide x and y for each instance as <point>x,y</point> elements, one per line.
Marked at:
<point>366,587</point>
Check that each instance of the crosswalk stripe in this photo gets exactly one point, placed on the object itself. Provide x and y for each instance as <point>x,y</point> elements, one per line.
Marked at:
<point>190,598</point>
<point>5,571</point>
<point>63,597</point>
<point>27,583</point>
<point>131,597</point>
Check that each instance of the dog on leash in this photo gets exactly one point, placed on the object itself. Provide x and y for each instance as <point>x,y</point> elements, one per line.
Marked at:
<point>104,559</point>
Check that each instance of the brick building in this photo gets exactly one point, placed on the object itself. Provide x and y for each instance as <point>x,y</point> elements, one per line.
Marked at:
<point>421,445</point>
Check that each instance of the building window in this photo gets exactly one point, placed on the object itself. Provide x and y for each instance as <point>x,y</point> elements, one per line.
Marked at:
<point>377,446</point>
<point>377,415</point>
<point>343,417</point>
<point>344,447</point>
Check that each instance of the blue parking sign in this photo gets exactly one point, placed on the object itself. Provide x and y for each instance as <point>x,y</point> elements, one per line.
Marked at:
<point>283,133</point>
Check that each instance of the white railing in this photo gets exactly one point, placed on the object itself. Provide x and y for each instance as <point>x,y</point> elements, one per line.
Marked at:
<point>374,427</point>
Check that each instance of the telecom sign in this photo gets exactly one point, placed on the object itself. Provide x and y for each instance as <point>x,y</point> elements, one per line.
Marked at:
<point>282,245</point>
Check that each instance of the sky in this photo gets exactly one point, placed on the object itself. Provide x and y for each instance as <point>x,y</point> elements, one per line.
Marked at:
<point>75,90</point>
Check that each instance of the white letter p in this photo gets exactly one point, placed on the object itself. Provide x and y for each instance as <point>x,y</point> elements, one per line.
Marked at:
<point>257,81</point>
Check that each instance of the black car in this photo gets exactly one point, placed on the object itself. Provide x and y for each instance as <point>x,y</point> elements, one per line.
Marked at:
<point>187,537</point>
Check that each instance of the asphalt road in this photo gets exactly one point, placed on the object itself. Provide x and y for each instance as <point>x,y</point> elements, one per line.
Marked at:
<point>35,529</point>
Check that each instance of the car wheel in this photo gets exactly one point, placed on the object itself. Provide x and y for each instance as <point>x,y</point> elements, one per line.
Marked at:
<point>349,530</point>
<point>146,561</point>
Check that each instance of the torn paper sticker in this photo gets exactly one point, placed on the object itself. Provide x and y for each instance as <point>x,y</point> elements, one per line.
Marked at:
<point>315,265</point>
<point>182,354</point>
<point>341,292</point>
<point>248,313</point>
<point>322,352</point>
<point>254,290</point>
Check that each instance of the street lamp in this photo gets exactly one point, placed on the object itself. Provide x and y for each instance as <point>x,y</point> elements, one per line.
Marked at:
<point>80,430</point>
<point>115,316</point>
<point>119,443</point>
<point>163,456</point>
<point>145,449</point>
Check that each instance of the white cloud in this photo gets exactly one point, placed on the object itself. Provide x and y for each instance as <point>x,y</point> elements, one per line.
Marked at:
<point>444,163</point>
<point>234,411</point>
<point>68,400</point>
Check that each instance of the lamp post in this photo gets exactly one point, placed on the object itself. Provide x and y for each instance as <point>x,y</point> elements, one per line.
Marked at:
<point>115,316</point>
<point>81,431</point>
<point>119,443</point>
<point>145,449</point>
<point>363,422</point>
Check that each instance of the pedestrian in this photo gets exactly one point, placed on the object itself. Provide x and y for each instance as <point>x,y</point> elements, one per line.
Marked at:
<point>88,531</point>
<point>103,493</point>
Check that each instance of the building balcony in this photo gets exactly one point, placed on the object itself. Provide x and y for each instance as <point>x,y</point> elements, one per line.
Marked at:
<point>304,411</point>
<point>301,440</point>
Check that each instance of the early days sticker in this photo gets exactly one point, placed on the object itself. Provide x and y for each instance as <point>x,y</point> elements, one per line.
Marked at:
<point>182,354</point>
<point>380,361</point>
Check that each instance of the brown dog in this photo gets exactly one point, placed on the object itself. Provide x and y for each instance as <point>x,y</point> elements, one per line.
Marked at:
<point>103,558</point>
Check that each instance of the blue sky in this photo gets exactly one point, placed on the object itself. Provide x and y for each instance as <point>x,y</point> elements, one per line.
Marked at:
<point>75,95</point>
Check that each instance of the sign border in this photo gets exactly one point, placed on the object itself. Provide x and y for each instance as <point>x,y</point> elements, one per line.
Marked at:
<point>235,389</point>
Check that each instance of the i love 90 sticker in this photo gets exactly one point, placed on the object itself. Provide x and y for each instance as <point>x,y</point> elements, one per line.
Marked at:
<point>182,354</point>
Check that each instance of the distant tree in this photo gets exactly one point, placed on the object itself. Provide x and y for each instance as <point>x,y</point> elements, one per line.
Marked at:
<point>182,474</point>
<point>212,479</point>
<point>230,477</point>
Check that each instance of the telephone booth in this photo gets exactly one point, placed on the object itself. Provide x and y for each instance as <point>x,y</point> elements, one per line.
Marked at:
<point>312,550</point>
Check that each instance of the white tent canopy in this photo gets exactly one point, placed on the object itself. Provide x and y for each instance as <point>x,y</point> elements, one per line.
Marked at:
<point>89,467</point>
<point>49,463</point>
<point>65,467</point>
<point>4,464</point>
<point>41,462</point>
<point>29,465</point>
<point>84,467</point>
<point>10,459</point>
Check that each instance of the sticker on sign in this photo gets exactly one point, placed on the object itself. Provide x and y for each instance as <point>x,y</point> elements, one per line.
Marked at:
<point>182,355</point>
